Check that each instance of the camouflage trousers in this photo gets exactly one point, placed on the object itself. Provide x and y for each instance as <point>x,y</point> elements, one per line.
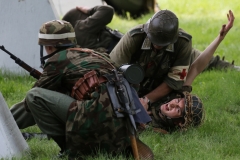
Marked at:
<point>49,110</point>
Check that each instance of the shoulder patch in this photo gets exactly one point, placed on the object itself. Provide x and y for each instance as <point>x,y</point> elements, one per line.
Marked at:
<point>134,31</point>
<point>188,37</point>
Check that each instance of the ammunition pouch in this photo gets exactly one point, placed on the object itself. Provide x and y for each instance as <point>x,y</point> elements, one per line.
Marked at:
<point>85,85</point>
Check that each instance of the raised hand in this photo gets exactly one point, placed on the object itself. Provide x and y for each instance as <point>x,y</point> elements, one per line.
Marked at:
<point>227,27</point>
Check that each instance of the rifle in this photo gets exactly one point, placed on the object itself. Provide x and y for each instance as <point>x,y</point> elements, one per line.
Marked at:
<point>132,126</point>
<point>33,72</point>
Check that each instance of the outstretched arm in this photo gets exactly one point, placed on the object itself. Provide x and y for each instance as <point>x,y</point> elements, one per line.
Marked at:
<point>203,59</point>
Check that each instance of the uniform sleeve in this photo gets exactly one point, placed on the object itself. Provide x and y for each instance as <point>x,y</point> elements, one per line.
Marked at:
<point>99,17</point>
<point>126,47</point>
<point>178,72</point>
<point>51,77</point>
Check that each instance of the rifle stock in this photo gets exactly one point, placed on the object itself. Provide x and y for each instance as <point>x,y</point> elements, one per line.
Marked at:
<point>33,72</point>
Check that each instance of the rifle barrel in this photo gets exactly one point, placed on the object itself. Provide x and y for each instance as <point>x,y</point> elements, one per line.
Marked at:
<point>33,72</point>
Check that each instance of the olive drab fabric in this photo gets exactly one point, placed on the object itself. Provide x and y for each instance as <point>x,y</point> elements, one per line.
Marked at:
<point>90,28</point>
<point>162,28</point>
<point>169,65</point>
<point>215,62</point>
<point>56,33</point>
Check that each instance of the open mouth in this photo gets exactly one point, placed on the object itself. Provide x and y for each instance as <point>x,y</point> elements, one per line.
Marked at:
<point>165,107</point>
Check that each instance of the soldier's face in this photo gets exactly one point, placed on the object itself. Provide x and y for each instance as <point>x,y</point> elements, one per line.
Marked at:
<point>174,108</point>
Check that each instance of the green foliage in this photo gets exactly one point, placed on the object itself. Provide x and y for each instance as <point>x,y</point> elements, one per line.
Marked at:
<point>218,137</point>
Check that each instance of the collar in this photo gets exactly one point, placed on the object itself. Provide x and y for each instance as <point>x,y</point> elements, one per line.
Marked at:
<point>147,45</point>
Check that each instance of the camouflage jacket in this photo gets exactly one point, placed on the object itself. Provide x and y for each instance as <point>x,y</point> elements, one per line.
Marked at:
<point>169,65</point>
<point>91,32</point>
<point>91,123</point>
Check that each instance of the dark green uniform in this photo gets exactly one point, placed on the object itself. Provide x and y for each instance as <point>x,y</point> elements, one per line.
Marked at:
<point>91,32</point>
<point>215,62</point>
<point>169,65</point>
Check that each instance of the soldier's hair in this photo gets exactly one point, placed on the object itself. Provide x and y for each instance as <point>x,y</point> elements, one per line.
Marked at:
<point>74,15</point>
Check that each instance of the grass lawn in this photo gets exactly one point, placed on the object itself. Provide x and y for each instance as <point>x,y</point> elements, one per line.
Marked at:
<point>218,138</point>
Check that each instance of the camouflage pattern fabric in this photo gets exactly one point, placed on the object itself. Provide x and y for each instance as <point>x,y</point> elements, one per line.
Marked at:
<point>62,30</point>
<point>92,125</point>
<point>62,70</point>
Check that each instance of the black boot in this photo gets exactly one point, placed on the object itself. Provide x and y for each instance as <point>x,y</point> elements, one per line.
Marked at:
<point>219,63</point>
<point>28,136</point>
<point>61,141</point>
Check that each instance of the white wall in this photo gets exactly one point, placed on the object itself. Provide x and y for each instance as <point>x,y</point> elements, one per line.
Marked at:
<point>20,23</point>
<point>12,143</point>
<point>62,6</point>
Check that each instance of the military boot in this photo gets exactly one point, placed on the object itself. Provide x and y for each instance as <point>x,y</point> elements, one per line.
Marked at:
<point>61,141</point>
<point>218,63</point>
<point>28,136</point>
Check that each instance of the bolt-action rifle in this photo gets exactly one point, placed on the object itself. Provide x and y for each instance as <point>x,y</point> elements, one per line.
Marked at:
<point>33,72</point>
<point>132,126</point>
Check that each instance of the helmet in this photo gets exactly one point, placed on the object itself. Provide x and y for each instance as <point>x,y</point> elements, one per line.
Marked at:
<point>162,28</point>
<point>56,33</point>
<point>194,112</point>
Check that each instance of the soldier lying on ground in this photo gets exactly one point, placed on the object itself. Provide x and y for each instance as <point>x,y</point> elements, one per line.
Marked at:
<point>185,109</point>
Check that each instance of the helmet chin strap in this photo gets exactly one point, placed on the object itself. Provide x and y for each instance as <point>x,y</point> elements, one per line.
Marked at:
<point>41,55</point>
<point>59,48</point>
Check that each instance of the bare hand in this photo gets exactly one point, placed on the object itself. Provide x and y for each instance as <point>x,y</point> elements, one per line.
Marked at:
<point>144,102</point>
<point>83,9</point>
<point>226,28</point>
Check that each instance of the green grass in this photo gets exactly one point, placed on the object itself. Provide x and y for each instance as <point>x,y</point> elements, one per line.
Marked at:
<point>218,138</point>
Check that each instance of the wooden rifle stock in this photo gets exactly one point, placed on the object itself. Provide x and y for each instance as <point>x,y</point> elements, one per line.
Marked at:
<point>134,147</point>
<point>33,72</point>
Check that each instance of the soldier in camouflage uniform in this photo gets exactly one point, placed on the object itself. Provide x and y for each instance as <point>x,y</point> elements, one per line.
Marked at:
<point>77,126</point>
<point>90,27</point>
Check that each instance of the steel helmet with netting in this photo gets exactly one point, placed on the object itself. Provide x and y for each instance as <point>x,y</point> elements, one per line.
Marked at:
<point>194,111</point>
